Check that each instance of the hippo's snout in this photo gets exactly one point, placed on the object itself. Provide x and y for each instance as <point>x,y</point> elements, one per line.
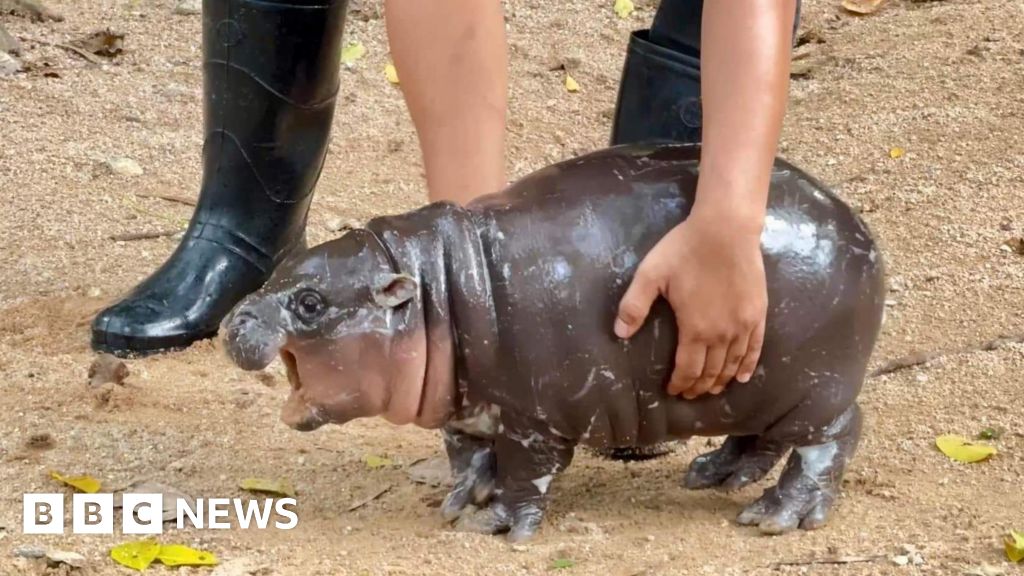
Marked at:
<point>251,340</point>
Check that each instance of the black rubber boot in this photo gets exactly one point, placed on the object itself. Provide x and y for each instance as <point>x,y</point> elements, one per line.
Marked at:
<point>270,82</point>
<point>659,92</point>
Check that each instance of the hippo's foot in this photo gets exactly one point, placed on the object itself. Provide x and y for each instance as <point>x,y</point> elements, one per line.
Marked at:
<point>809,482</point>
<point>472,462</point>
<point>741,460</point>
<point>527,457</point>
<point>521,522</point>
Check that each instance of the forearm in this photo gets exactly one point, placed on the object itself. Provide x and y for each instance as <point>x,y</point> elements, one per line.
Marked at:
<point>745,54</point>
<point>452,63</point>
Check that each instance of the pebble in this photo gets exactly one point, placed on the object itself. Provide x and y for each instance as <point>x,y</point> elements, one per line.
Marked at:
<point>30,552</point>
<point>55,558</point>
<point>189,7</point>
<point>8,64</point>
<point>123,167</point>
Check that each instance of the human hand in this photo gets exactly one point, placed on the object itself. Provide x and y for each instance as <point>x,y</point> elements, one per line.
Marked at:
<point>713,277</point>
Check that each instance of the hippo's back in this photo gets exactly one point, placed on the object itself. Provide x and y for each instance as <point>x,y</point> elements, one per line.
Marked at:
<point>562,245</point>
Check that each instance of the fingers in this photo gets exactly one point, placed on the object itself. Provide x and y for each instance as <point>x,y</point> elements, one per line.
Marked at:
<point>636,303</point>
<point>690,356</point>
<point>713,364</point>
<point>753,354</point>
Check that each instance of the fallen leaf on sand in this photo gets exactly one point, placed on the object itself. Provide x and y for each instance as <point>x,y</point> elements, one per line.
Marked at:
<point>102,43</point>
<point>136,555</point>
<point>278,487</point>
<point>374,462</point>
<point>391,73</point>
<point>86,484</point>
<point>562,563</point>
<point>896,152</point>
<point>352,52</point>
<point>570,84</point>
<point>432,472</point>
<point>55,558</point>
<point>178,555</point>
<point>862,6</point>
<point>624,8</point>
<point>963,450</point>
<point>1015,245</point>
<point>1014,543</point>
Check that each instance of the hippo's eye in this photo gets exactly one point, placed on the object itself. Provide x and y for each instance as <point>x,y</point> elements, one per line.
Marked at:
<point>309,305</point>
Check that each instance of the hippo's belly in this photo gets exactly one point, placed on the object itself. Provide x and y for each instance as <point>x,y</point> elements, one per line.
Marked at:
<point>561,247</point>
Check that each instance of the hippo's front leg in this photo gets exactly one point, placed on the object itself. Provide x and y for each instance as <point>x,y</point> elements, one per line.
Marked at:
<point>472,463</point>
<point>528,457</point>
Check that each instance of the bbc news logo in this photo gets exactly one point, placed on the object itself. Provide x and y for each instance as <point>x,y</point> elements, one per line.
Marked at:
<point>143,513</point>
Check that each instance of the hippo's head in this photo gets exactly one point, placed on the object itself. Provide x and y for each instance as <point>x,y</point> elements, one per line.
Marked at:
<point>335,316</point>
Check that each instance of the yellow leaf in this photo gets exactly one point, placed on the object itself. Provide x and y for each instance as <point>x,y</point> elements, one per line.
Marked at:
<point>373,462</point>
<point>896,152</point>
<point>137,555</point>
<point>624,8</point>
<point>391,73</point>
<point>1015,546</point>
<point>279,487</point>
<point>86,484</point>
<point>963,450</point>
<point>352,52</point>
<point>178,555</point>
<point>570,84</point>
<point>862,6</point>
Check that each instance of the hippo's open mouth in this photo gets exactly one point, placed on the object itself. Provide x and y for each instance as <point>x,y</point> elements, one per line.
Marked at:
<point>297,414</point>
<point>292,369</point>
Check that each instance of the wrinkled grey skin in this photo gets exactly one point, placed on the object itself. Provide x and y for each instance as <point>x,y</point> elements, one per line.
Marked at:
<point>494,323</point>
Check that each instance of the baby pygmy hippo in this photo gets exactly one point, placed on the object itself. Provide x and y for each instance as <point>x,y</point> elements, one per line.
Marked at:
<point>493,322</point>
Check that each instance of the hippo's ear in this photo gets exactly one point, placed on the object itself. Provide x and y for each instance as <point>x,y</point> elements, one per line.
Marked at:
<point>394,289</point>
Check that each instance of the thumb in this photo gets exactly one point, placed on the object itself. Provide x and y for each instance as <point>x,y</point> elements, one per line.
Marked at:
<point>635,304</point>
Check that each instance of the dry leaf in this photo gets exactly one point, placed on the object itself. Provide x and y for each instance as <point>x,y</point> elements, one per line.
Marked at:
<point>86,484</point>
<point>1014,546</point>
<point>103,43</point>
<point>570,84</point>
<point>352,52</point>
<point>136,555</point>
<point>896,152</point>
<point>55,558</point>
<point>963,450</point>
<point>1015,245</point>
<point>624,8</point>
<point>862,6</point>
<point>391,73</point>
<point>433,471</point>
<point>373,462</point>
<point>278,487</point>
<point>178,555</point>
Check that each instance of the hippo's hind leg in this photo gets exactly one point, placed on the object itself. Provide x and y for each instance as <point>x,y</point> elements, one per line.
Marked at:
<point>741,460</point>
<point>810,481</point>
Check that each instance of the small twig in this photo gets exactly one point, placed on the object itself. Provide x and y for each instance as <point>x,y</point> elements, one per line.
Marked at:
<point>366,501</point>
<point>836,560</point>
<point>168,197</point>
<point>923,357</point>
<point>144,235</point>
<point>84,54</point>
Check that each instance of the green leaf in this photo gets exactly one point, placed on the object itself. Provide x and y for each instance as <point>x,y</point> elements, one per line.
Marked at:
<point>563,563</point>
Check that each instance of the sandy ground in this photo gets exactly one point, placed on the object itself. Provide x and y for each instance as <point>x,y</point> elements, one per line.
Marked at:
<point>943,80</point>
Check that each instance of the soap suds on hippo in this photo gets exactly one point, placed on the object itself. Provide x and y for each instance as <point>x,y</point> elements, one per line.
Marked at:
<point>414,324</point>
